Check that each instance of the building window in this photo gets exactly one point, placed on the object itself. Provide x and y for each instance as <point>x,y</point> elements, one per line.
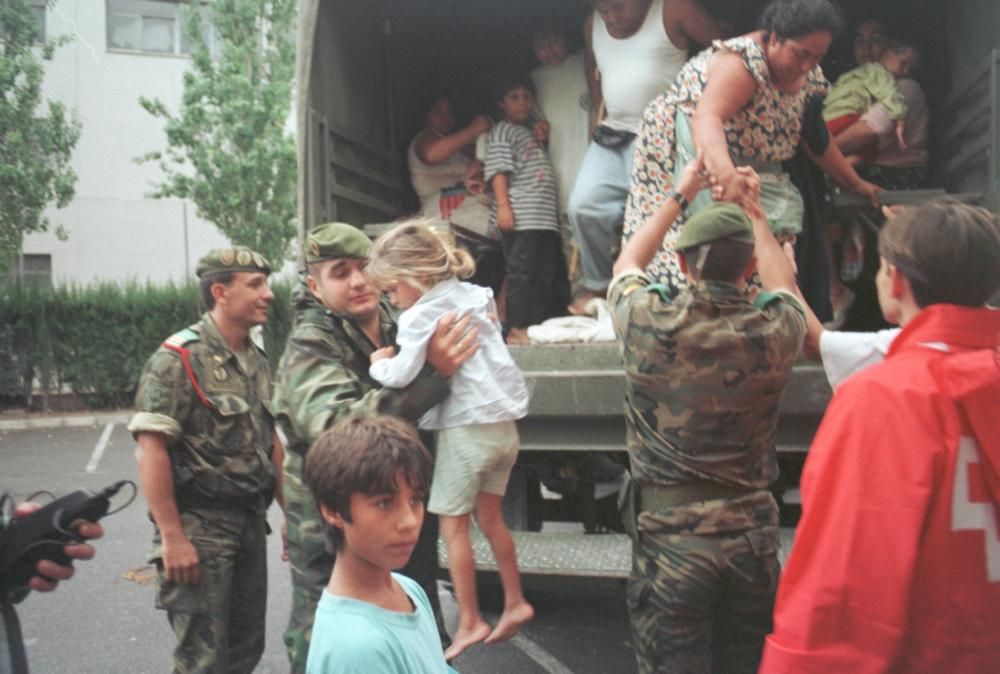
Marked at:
<point>38,11</point>
<point>149,26</point>
<point>33,269</point>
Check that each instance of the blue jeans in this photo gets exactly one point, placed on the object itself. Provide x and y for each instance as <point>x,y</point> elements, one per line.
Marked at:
<point>597,208</point>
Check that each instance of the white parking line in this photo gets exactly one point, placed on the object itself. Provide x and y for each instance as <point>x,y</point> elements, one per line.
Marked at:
<point>102,444</point>
<point>546,660</point>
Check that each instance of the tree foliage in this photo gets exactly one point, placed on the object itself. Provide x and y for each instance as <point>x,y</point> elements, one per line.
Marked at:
<point>227,147</point>
<point>36,137</point>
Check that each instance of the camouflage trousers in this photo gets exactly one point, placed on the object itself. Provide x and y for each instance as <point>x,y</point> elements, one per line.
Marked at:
<point>219,623</point>
<point>311,563</point>
<point>702,603</point>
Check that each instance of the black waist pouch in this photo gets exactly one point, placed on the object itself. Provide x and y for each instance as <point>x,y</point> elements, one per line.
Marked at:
<point>612,138</point>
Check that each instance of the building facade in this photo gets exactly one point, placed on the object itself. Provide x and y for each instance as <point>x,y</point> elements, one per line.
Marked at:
<point>119,50</point>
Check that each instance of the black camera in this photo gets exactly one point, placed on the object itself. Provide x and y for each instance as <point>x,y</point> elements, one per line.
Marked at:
<point>24,541</point>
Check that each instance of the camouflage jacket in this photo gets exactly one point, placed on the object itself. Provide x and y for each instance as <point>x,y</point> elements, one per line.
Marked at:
<point>221,434</point>
<point>704,371</point>
<point>323,374</point>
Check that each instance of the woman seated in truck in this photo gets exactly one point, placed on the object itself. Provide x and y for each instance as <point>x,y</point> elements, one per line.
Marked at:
<point>890,165</point>
<point>449,183</point>
<point>744,101</point>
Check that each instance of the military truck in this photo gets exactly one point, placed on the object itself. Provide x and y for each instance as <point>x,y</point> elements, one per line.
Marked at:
<point>362,68</point>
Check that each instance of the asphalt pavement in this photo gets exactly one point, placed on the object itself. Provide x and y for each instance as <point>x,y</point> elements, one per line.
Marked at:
<point>104,621</point>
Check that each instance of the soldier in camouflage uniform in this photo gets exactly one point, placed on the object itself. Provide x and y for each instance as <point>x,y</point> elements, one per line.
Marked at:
<point>704,371</point>
<point>207,454</point>
<point>323,377</point>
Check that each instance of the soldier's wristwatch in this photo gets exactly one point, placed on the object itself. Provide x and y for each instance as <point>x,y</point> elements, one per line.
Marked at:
<point>679,198</point>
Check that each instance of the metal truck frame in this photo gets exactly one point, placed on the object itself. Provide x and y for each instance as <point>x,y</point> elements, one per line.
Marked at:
<point>358,73</point>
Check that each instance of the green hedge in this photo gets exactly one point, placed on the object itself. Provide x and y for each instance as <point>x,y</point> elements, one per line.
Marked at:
<point>95,339</point>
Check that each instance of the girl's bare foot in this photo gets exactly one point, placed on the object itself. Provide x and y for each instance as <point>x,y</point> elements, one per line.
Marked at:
<point>518,337</point>
<point>465,637</point>
<point>513,619</point>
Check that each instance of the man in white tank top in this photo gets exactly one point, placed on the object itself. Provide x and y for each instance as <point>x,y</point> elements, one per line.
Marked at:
<point>638,46</point>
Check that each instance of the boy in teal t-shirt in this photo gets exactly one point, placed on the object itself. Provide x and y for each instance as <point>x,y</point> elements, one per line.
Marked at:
<point>370,477</point>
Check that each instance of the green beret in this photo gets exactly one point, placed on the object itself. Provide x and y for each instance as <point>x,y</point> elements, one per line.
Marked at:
<point>721,220</point>
<point>234,258</point>
<point>335,240</point>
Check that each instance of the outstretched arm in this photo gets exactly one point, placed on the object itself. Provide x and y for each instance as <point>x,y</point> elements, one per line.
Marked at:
<point>730,86</point>
<point>832,161</point>
<point>775,267</point>
<point>639,250</point>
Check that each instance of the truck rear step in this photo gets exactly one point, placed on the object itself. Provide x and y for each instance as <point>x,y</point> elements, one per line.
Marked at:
<point>569,553</point>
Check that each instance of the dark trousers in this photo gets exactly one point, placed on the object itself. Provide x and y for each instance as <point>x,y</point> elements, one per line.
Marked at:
<point>810,255</point>
<point>537,285</point>
<point>488,256</point>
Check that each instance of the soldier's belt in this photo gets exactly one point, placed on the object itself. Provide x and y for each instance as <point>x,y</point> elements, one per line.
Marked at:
<point>657,497</point>
<point>190,499</point>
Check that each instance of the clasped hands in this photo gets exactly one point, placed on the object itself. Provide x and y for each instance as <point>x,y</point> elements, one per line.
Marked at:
<point>740,186</point>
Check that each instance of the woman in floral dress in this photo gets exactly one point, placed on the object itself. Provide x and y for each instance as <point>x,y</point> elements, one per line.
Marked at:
<point>750,100</point>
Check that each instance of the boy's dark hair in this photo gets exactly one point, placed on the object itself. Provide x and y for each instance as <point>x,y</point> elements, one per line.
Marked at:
<point>510,81</point>
<point>205,287</point>
<point>947,250</point>
<point>725,262</point>
<point>797,18</point>
<point>364,455</point>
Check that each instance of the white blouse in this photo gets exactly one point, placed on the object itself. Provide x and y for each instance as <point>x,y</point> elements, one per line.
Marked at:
<point>487,388</point>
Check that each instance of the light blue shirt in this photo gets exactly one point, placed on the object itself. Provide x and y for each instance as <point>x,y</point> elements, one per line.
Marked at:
<point>354,637</point>
<point>487,388</point>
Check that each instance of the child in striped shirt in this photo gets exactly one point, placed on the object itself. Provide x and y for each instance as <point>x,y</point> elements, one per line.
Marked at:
<point>526,210</point>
